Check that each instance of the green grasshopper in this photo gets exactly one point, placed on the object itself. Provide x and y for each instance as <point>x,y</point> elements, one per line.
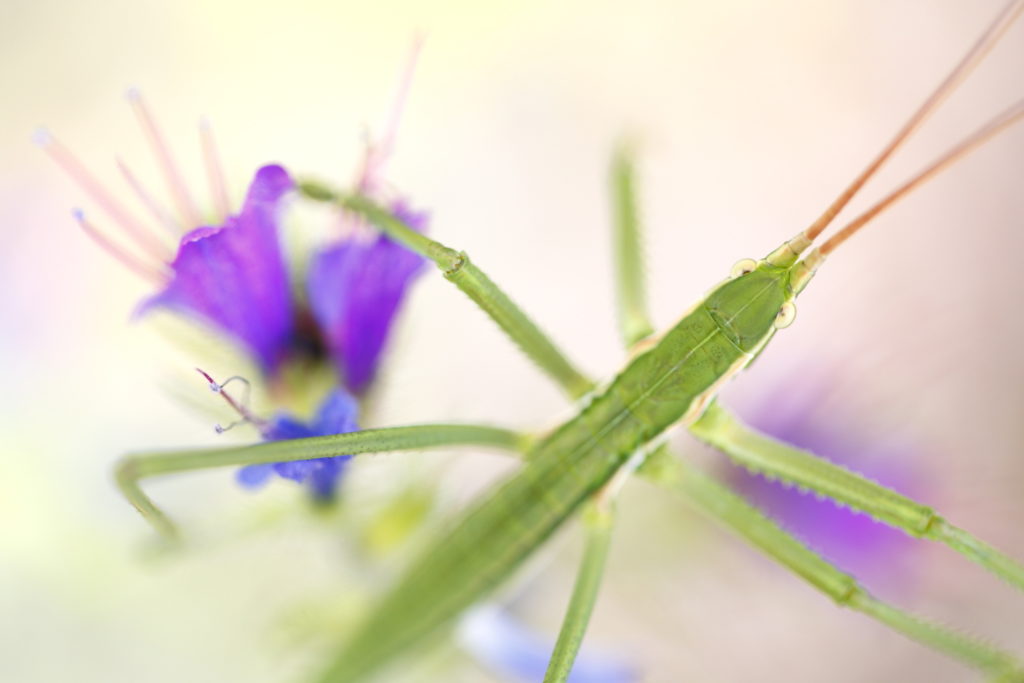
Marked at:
<point>672,380</point>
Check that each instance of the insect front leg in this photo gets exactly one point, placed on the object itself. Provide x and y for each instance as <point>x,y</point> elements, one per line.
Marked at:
<point>713,498</point>
<point>473,282</point>
<point>634,321</point>
<point>764,455</point>
<point>131,469</point>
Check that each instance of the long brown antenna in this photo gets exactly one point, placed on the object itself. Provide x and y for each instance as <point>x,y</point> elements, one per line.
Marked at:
<point>972,142</point>
<point>957,76</point>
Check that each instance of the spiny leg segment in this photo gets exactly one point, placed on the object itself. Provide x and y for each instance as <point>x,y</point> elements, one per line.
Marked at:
<point>761,454</point>
<point>726,507</point>
<point>457,268</point>
<point>131,469</point>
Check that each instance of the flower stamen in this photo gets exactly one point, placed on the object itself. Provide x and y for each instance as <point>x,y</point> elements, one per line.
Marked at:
<point>242,408</point>
<point>128,260</point>
<point>159,212</point>
<point>214,171</point>
<point>78,173</point>
<point>186,207</point>
<point>378,153</point>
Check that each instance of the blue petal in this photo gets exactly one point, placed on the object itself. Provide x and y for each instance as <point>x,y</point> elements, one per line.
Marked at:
<point>507,647</point>
<point>284,427</point>
<point>323,480</point>
<point>338,414</point>
<point>254,476</point>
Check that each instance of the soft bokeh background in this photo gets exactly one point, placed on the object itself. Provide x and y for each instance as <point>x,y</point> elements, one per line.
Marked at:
<point>749,115</point>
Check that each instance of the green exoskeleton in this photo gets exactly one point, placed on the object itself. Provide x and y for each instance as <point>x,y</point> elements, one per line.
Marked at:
<point>671,381</point>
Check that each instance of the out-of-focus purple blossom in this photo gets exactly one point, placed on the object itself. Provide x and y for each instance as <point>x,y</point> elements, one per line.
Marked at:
<point>233,276</point>
<point>512,651</point>
<point>229,273</point>
<point>338,414</point>
<point>870,550</point>
<point>355,288</point>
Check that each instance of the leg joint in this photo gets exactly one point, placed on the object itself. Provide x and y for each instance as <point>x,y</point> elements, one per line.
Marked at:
<point>851,593</point>
<point>454,263</point>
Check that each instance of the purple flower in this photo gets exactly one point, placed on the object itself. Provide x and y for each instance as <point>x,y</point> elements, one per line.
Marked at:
<point>338,414</point>
<point>508,648</point>
<point>856,543</point>
<point>233,277</point>
<point>355,288</point>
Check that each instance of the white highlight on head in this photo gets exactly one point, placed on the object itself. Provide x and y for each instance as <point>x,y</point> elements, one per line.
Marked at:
<point>786,315</point>
<point>742,267</point>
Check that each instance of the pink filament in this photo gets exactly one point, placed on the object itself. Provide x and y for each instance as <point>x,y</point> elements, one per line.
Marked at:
<point>159,212</point>
<point>132,262</point>
<point>95,189</point>
<point>189,212</point>
<point>377,154</point>
<point>214,171</point>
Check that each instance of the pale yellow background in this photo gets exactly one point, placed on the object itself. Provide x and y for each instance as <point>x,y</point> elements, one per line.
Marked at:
<point>750,116</point>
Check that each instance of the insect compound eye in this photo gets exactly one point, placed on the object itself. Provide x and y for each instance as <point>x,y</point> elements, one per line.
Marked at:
<point>786,315</point>
<point>747,265</point>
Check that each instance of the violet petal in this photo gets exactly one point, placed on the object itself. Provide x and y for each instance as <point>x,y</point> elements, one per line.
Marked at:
<point>233,276</point>
<point>355,289</point>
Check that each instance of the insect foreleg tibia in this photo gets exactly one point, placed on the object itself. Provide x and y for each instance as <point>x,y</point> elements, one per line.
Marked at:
<point>765,455</point>
<point>457,268</point>
<point>634,322</point>
<point>597,519</point>
<point>131,469</point>
<point>717,501</point>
